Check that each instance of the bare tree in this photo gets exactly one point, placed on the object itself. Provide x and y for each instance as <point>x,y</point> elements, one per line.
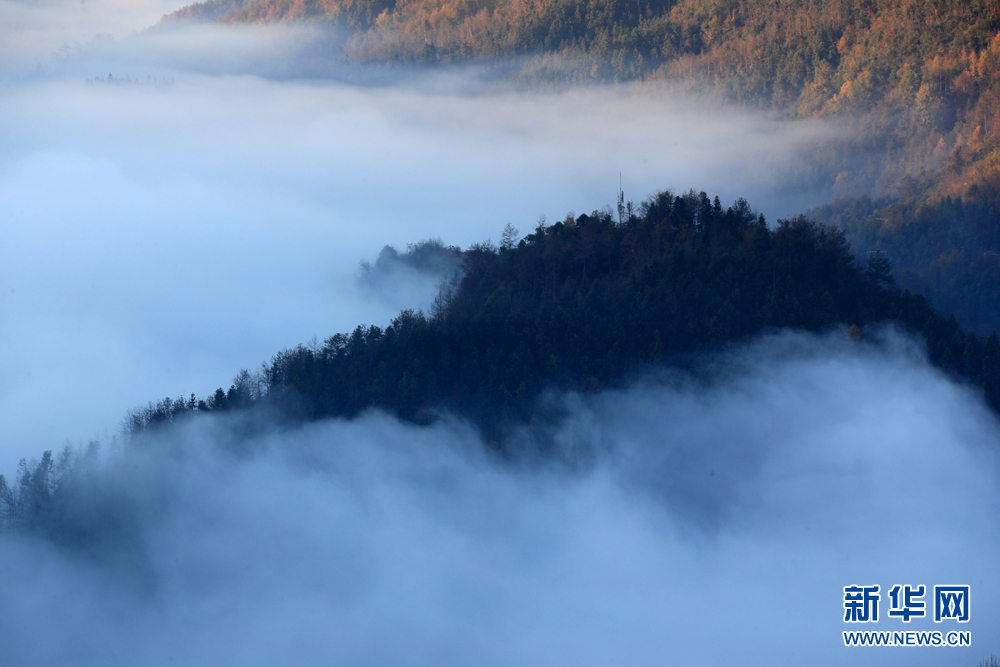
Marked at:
<point>509,237</point>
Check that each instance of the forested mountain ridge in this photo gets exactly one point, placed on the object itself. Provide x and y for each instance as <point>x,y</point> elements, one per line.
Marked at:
<point>581,304</point>
<point>921,74</point>
<point>808,56</point>
<point>213,10</point>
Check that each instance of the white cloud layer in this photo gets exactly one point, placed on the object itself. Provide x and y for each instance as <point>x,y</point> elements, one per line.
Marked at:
<point>715,523</point>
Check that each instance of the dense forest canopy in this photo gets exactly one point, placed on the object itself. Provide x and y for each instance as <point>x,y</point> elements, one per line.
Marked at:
<point>583,303</point>
<point>947,249</point>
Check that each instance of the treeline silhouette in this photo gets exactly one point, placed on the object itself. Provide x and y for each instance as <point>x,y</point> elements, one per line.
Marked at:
<point>580,304</point>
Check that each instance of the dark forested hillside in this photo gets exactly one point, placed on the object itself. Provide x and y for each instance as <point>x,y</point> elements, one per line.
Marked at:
<point>947,248</point>
<point>581,304</point>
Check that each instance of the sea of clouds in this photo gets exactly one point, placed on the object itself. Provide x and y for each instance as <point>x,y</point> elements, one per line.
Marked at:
<point>209,206</point>
<point>684,522</point>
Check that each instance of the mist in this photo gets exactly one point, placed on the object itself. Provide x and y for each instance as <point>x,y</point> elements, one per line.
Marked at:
<point>690,521</point>
<point>204,208</point>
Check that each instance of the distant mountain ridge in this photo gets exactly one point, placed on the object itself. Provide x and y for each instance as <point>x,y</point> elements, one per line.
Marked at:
<point>922,73</point>
<point>919,81</point>
<point>206,12</point>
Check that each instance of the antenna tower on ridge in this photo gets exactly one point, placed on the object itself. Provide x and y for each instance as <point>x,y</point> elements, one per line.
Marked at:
<point>621,200</point>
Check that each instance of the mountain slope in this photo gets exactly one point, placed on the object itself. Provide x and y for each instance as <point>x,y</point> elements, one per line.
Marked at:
<point>922,73</point>
<point>946,248</point>
<point>919,80</point>
<point>587,302</point>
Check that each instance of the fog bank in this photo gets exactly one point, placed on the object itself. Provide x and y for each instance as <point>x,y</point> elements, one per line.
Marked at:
<point>705,522</point>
